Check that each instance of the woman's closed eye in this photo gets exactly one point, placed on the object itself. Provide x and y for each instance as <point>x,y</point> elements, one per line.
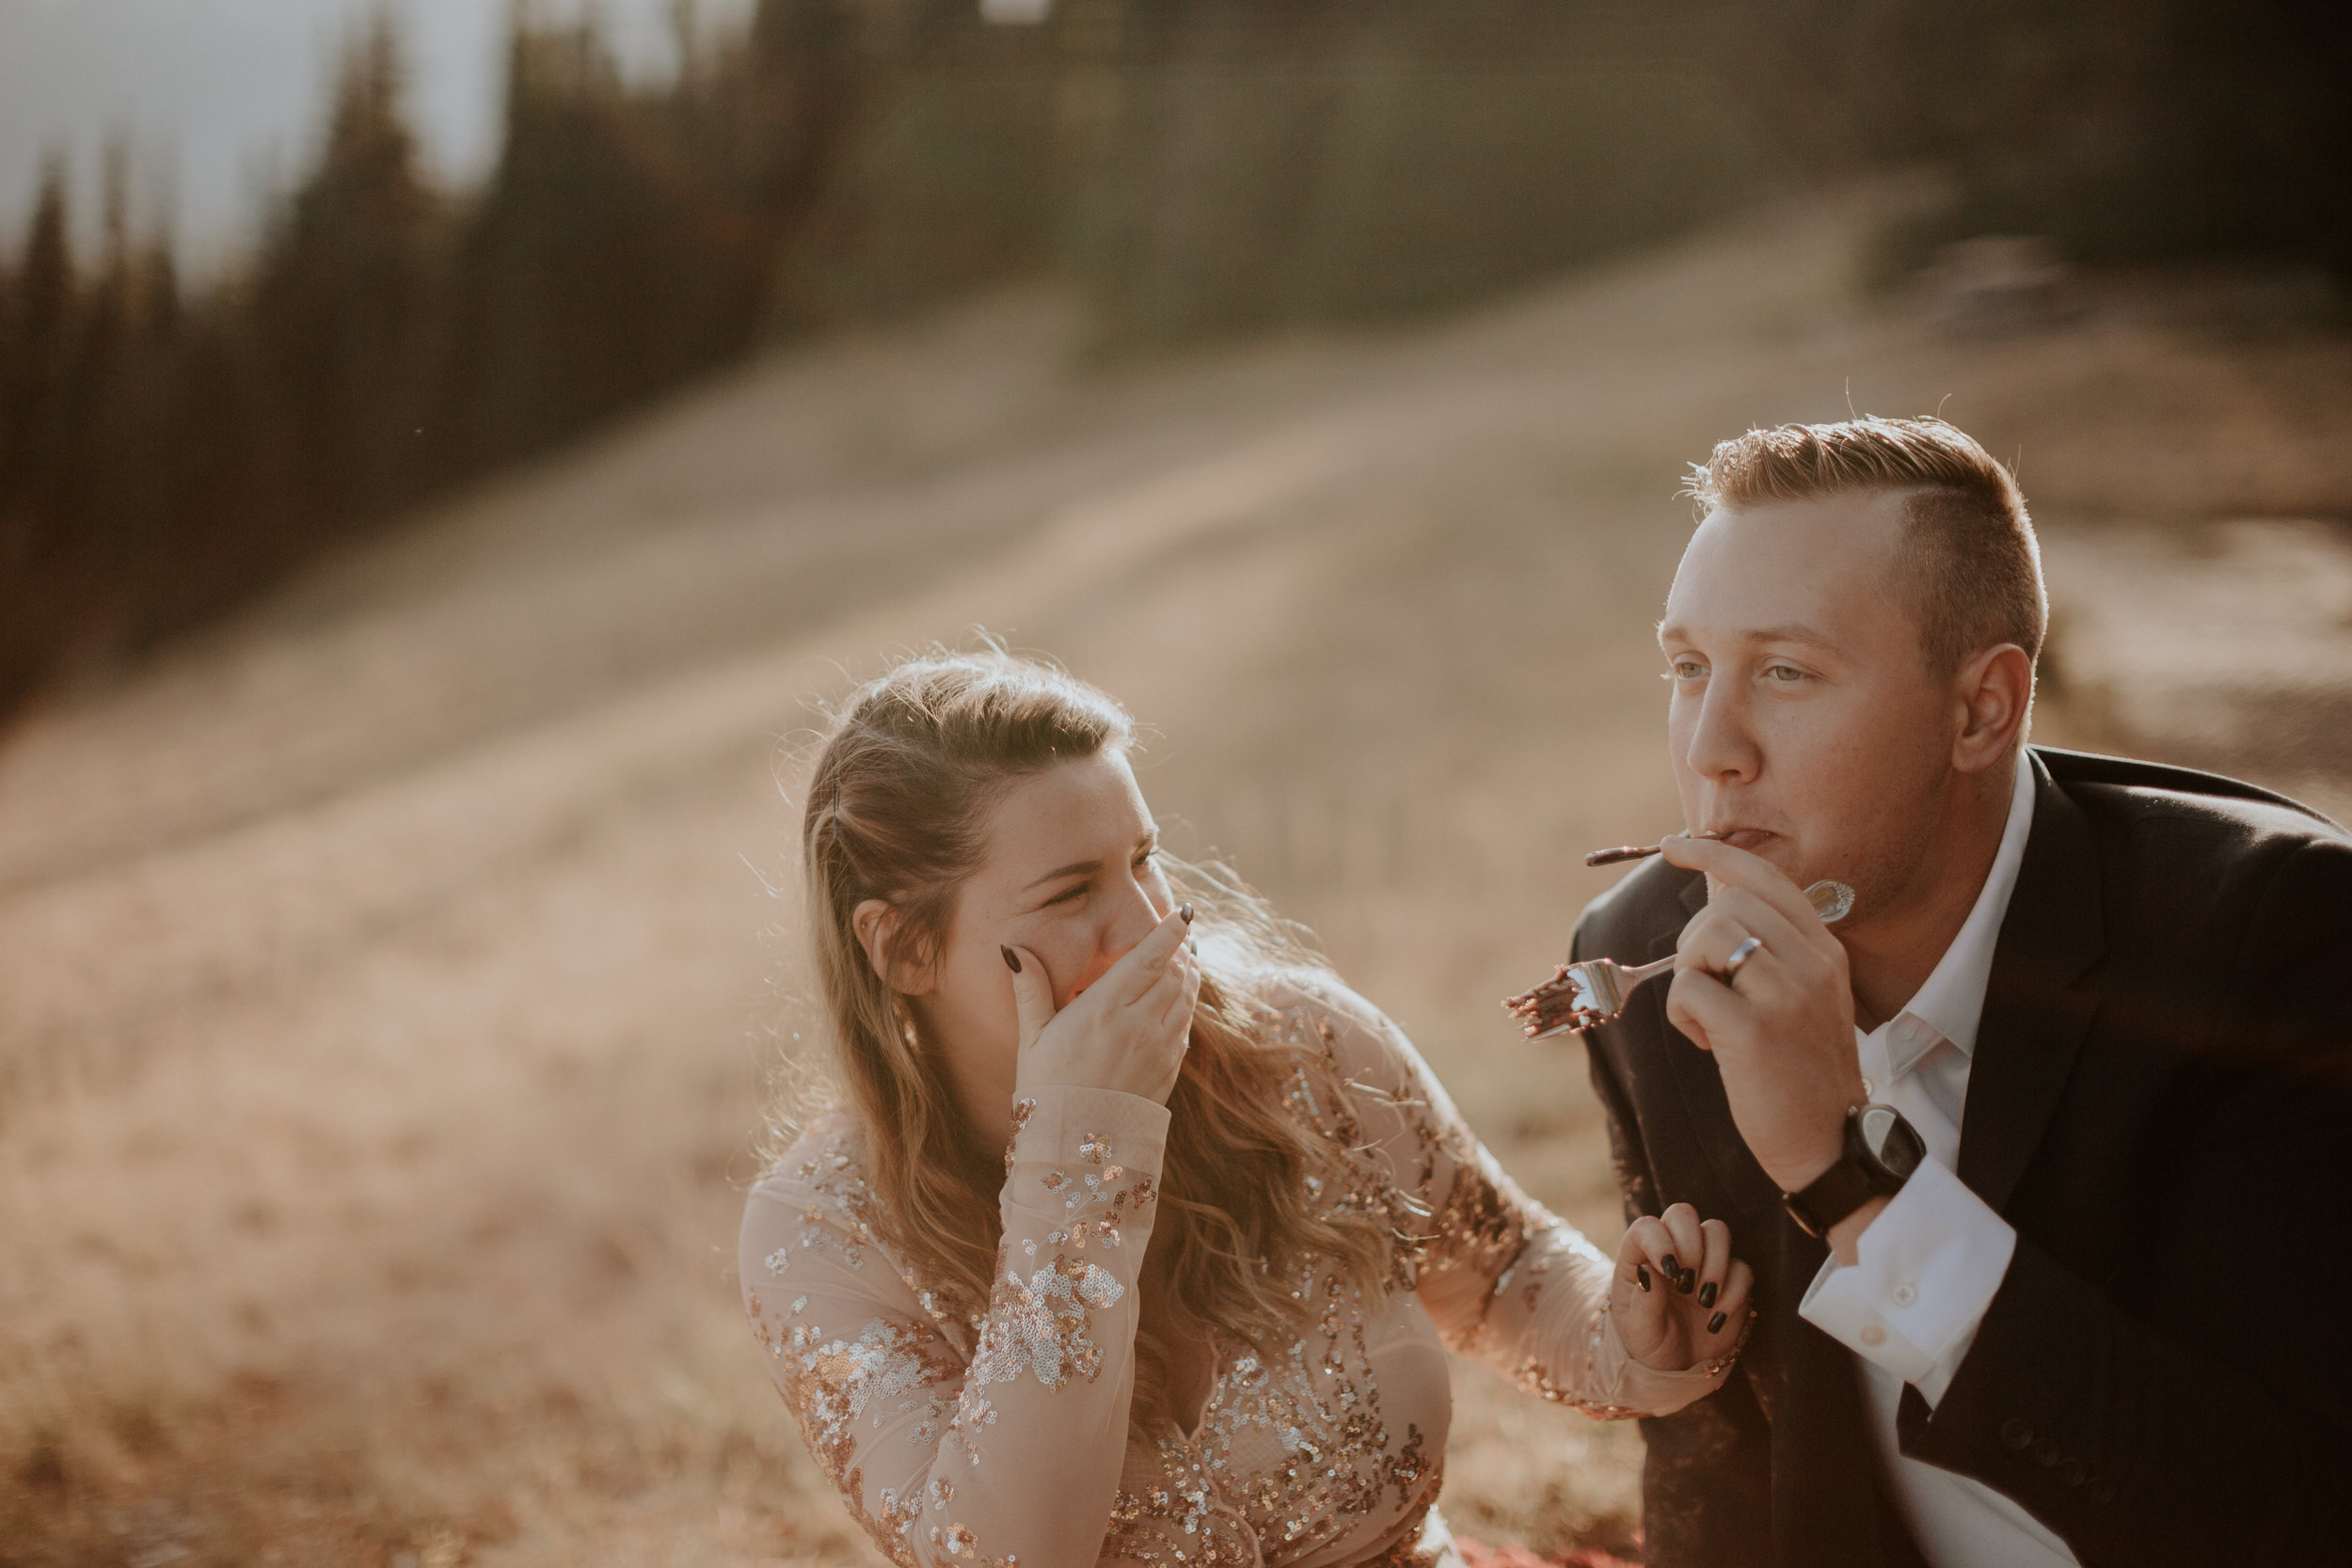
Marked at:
<point>1076,890</point>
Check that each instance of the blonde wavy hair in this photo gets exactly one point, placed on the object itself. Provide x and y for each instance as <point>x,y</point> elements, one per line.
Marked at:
<point>898,808</point>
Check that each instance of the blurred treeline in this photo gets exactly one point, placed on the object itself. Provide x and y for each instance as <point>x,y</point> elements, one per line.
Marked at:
<point>1198,165</point>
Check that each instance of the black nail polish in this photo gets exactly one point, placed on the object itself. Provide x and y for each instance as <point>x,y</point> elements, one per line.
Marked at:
<point>1706,1293</point>
<point>1689,1281</point>
<point>1186,912</point>
<point>1715,1324</point>
<point>1013,959</point>
<point>1641,1275</point>
<point>1674,1270</point>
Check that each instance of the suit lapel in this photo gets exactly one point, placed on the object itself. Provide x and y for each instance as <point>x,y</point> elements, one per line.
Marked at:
<point>1827,1482</point>
<point>1705,1110</point>
<point>2034,1019</point>
<point>1692,897</point>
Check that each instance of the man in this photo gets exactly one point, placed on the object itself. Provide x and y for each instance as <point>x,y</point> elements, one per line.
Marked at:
<point>2067,1096</point>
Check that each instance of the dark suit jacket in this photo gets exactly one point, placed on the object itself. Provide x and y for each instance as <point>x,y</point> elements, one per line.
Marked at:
<point>2161,1104</point>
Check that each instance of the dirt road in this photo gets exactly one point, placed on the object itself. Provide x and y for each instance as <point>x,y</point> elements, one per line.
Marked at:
<point>387,984</point>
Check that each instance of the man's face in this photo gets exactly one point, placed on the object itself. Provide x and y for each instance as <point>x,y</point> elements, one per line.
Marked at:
<point>1803,724</point>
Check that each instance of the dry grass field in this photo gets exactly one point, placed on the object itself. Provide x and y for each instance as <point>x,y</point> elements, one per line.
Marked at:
<point>389,981</point>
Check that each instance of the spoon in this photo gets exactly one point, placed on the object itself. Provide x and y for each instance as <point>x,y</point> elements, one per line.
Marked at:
<point>1631,852</point>
<point>1581,996</point>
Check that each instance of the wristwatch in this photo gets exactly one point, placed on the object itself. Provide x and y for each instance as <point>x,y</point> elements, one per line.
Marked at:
<point>1880,1153</point>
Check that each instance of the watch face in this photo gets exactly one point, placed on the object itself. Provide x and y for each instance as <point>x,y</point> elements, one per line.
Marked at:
<point>1892,1142</point>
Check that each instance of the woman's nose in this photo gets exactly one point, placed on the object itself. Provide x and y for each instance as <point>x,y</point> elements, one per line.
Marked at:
<point>1132,915</point>
<point>1128,918</point>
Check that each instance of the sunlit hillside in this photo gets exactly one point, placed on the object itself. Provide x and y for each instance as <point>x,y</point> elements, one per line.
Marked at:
<point>389,981</point>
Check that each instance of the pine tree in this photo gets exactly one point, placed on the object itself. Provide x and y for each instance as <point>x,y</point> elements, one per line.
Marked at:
<point>344,305</point>
<point>38,606</point>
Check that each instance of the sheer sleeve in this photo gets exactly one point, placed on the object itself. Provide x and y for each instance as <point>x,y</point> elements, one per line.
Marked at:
<point>1506,1281</point>
<point>976,1438</point>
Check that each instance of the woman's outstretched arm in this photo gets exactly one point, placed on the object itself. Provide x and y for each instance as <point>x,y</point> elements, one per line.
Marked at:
<point>1511,1284</point>
<point>957,1442</point>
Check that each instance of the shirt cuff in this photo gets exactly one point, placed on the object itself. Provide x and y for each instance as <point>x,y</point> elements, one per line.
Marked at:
<point>1076,1149</point>
<point>1641,1389</point>
<point>1925,1272</point>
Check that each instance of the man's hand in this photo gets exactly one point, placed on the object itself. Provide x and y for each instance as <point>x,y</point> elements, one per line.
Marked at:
<point>1783,1035</point>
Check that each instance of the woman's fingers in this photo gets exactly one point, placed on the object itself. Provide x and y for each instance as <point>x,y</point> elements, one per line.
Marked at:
<point>1640,1293</point>
<point>1731,1310</point>
<point>1640,1257</point>
<point>1189,993</point>
<point>1715,1263</point>
<point>1690,1246</point>
<point>1032,994</point>
<point>1680,1294</point>
<point>1175,984</point>
<point>1143,965</point>
<point>1174,995</point>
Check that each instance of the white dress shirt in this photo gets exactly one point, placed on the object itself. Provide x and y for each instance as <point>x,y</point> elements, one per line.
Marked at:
<point>1928,1267</point>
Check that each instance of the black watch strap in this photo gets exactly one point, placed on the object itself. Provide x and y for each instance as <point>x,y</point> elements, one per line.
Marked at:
<point>1837,1192</point>
<point>1874,1163</point>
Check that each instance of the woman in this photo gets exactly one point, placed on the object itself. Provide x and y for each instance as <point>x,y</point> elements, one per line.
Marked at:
<point>1139,1238</point>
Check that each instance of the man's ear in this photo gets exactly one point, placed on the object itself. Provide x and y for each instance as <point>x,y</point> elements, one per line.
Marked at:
<point>876,921</point>
<point>1994,690</point>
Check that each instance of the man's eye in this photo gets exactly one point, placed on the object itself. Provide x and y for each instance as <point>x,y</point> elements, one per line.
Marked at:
<point>1066,897</point>
<point>1787,675</point>
<point>1146,858</point>
<point>1686,669</point>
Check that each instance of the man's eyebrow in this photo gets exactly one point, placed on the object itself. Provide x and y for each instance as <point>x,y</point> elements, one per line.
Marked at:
<point>1795,633</point>
<point>1669,632</point>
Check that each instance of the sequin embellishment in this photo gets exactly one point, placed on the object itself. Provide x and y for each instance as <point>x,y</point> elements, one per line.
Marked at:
<point>1039,1324</point>
<point>990,1417</point>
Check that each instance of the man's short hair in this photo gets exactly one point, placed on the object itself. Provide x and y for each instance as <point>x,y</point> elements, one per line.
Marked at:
<point>1967,553</point>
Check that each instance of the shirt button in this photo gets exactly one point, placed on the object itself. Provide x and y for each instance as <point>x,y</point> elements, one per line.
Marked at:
<point>2016,1435</point>
<point>1869,1090</point>
<point>1905,1294</point>
<point>2047,1454</point>
<point>2101,1490</point>
<point>2072,1472</point>
<point>1872,1335</point>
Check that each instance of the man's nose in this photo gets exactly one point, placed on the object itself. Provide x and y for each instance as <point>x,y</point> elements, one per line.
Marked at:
<point>1721,746</point>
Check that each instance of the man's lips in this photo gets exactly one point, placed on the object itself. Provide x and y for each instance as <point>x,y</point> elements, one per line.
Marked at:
<point>1750,839</point>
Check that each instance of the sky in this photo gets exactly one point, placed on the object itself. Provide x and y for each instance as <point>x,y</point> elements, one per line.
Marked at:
<point>219,102</point>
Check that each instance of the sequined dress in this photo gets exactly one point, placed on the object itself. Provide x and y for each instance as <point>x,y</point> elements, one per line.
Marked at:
<point>996,1435</point>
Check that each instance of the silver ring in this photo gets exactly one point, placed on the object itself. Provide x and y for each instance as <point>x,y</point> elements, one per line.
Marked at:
<point>1740,957</point>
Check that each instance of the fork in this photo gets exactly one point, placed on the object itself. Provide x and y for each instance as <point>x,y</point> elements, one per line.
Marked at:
<point>1584,996</point>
